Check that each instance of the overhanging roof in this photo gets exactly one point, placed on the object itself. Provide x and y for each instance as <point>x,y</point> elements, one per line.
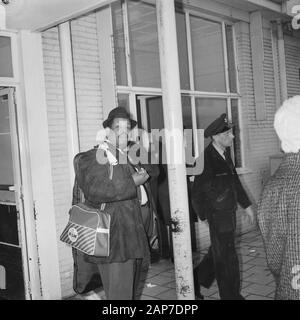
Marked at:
<point>37,15</point>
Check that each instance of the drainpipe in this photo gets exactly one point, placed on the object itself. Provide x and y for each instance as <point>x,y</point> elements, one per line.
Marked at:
<point>176,171</point>
<point>282,67</point>
<point>69,94</point>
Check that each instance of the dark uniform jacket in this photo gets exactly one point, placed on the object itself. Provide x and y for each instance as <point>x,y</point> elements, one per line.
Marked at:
<point>128,239</point>
<point>218,190</point>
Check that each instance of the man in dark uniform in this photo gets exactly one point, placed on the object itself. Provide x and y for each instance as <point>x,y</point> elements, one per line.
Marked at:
<point>215,195</point>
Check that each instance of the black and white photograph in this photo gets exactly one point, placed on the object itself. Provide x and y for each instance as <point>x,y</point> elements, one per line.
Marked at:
<point>149,151</point>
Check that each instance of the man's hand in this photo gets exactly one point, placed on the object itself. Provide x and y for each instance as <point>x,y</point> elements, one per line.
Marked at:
<point>250,215</point>
<point>140,177</point>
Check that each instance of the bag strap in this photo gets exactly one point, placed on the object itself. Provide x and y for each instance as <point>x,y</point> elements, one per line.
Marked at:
<point>111,170</point>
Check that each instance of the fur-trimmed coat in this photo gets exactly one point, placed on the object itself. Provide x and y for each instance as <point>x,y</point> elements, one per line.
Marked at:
<point>279,222</point>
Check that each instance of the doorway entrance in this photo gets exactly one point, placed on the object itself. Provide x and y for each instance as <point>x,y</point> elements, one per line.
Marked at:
<point>149,111</point>
<point>12,285</point>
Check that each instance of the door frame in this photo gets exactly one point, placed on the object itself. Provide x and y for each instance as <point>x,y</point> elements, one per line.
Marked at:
<point>19,199</point>
<point>143,103</point>
<point>31,268</point>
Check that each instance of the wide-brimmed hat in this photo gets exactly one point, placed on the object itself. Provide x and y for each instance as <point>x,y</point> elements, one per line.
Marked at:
<point>119,112</point>
<point>219,125</point>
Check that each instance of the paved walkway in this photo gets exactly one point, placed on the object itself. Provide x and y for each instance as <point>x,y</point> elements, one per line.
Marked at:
<point>257,281</point>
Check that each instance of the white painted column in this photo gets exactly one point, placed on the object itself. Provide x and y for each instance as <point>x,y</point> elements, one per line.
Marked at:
<point>275,64</point>
<point>42,239</point>
<point>282,66</point>
<point>169,66</point>
<point>69,94</point>
<point>105,44</point>
<point>257,54</point>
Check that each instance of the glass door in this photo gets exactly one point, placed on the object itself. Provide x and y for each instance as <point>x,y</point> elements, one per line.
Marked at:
<point>150,116</point>
<point>11,262</point>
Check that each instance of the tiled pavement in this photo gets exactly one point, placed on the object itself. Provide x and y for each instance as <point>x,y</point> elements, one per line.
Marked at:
<point>257,281</point>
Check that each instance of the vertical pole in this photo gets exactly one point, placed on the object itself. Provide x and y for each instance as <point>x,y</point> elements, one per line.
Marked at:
<point>282,66</point>
<point>69,93</point>
<point>275,64</point>
<point>106,58</point>
<point>176,171</point>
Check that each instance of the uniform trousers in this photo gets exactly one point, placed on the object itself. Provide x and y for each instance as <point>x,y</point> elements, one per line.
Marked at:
<point>221,263</point>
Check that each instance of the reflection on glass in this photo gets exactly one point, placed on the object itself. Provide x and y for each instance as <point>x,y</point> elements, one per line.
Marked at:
<point>208,57</point>
<point>6,69</point>
<point>182,51</point>
<point>144,52</point>
<point>119,43</point>
<point>231,62</point>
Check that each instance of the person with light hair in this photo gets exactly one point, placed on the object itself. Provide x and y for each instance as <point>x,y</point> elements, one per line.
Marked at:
<point>279,206</point>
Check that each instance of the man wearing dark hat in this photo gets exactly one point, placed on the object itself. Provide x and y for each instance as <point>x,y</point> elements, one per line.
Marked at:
<point>104,177</point>
<point>215,195</point>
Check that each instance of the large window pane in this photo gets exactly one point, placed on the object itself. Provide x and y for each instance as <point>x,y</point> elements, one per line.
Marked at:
<point>6,168</point>
<point>4,115</point>
<point>144,52</point>
<point>188,124</point>
<point>231,61</point>
<point>6,69</point>
<point>123,101</point>
<point>119,43</point>
<point>187,112</point>
<point>208,57</point>
<point>207,110</point>
<point>182,51</point>
<point>236,132</point>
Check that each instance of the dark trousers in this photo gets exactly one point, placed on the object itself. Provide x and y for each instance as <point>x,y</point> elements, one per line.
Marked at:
<point>121,279</point>
<point>221,263</point>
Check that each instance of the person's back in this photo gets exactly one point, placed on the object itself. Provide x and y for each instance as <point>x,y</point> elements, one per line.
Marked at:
<point>279,221</point>
<point>279,206</point>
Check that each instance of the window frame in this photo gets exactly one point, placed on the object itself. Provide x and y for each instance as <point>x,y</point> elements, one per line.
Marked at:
<point>10,81</point>
<point>132,91</point>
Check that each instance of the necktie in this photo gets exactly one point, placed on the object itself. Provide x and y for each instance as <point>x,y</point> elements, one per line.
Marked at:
<point>228,159</point>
